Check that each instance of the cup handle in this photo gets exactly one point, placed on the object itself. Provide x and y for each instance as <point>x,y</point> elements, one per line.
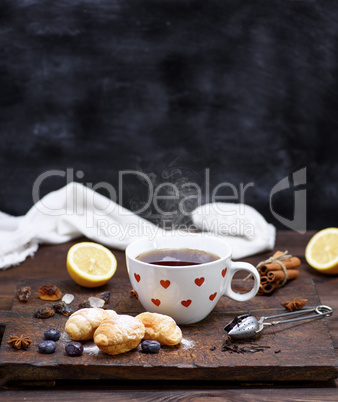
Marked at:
<point>242,266</point>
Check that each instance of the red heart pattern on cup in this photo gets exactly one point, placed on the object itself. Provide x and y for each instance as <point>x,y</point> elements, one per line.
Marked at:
<point>157,302</point>
<point>186,303</point>
<point>165,284</point>
<point>199,281</point>
<point>211,297</point>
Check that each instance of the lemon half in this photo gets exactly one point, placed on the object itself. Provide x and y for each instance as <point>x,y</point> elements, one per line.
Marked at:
<point>322,251</point>
<point>90,264</point>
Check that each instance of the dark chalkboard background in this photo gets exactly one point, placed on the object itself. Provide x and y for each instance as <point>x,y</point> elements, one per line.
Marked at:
<point>247,89</point>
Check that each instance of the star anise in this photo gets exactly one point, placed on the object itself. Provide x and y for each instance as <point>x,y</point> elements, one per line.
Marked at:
<point>19,342</point>
<point>295,304</point>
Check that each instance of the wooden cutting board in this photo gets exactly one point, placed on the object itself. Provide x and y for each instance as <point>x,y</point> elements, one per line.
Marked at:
<point>294,352</point>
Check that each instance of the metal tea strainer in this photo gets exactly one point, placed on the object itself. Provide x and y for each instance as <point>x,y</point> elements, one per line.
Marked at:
<point>247,326</point>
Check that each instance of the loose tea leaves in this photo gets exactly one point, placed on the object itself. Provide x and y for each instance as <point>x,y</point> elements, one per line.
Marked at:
<point>229,346</point>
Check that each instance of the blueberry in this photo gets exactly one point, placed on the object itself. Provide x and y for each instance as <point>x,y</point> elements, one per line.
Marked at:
<point>47,347</point>
<point>74,348</point>
<point>150,346</point>
<point>52,334</point>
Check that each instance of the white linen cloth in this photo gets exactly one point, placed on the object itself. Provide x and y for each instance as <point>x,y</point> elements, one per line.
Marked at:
<point>76,210</point>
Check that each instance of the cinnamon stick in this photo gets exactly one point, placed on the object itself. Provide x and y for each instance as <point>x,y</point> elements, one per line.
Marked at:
<point>278,276</point>
<point>272,275</point>
<point>260,291</point>
<point>290,263</point>
<point>264,279</point>
<point>268,288</point>
<point>277,253</point>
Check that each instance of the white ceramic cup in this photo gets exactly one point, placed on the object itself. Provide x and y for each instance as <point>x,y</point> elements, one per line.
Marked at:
<point>186,293</point>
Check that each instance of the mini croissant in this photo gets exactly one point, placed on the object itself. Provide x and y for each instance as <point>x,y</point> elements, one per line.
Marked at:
<point>161,328</point>
<point>82,324</point>
<point>119,334</point>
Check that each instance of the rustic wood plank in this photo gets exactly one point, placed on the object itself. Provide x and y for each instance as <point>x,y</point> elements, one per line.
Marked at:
<point>296,352</point>
<point>42,265</point>
<point>103,393</point>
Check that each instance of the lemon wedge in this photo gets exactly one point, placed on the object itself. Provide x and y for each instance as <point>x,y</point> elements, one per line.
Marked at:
<point>90,264</point>
<point>322,251</point>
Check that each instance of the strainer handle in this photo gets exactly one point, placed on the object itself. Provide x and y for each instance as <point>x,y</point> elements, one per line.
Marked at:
<point>321,311</point>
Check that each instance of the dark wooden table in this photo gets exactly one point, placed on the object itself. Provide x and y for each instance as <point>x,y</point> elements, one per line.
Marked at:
<point>49,261</point>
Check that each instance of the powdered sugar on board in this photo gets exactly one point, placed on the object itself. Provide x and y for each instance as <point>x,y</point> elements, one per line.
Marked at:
<point>91,349</point>
<point>88,347</point>
<point>187,344</point>
<point>64,338</point>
